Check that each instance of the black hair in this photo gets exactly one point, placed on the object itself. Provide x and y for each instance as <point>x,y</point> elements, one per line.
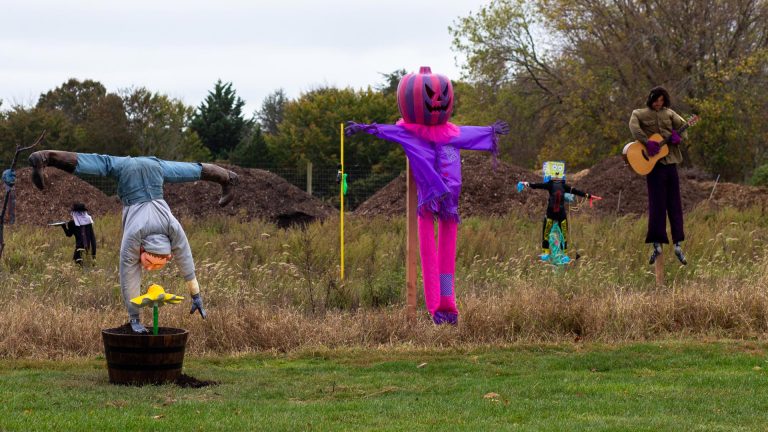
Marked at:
<point>655,93</point>
<point>78,207</point>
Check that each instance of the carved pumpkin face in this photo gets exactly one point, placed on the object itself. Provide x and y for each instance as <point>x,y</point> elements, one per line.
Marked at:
<point>425,98</point>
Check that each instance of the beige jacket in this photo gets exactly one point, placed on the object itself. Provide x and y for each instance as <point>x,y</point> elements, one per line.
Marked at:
<point>646,122</point>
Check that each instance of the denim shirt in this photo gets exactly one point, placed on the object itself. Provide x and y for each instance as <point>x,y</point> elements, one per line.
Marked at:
<point>139,179</point>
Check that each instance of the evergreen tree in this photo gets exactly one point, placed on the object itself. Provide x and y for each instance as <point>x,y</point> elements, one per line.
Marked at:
<point>219,120</point>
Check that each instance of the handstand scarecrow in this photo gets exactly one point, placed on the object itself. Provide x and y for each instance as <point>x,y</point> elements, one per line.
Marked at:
<point>151,234</point>
<point>432,145</point>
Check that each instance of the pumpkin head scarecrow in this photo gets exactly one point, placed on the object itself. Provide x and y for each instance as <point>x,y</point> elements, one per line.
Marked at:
<point>432,145</point>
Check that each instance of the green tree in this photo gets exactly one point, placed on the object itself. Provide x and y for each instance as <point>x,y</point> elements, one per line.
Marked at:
<point>160,126</point>
<point>310,130</point>
<point>580,66</point>
<point>391,81</point>
<point>106,128</point>
<point>22,125</point>
<point>272,111</point>
<point>74,98</point>
<point>219,120</point>
<point>252,152</point>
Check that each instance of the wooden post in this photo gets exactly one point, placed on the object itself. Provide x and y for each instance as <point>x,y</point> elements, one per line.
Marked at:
<point>659,268</point>
<point>412,244</point>
<point>309,178</point>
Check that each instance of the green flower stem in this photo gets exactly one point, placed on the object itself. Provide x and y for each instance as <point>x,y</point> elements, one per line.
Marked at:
<point>154,319</point>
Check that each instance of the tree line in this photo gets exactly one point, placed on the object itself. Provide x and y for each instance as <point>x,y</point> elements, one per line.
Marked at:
<point>566,74</point>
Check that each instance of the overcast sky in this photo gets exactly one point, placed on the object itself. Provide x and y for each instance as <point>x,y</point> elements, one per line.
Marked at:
<point>180,48</point>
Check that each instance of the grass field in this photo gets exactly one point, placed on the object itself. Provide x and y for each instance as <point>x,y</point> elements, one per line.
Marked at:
<point>669,386</point>
<point>272,289</point>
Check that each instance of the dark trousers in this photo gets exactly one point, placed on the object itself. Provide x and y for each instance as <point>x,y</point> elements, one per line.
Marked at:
<point>663,200</point>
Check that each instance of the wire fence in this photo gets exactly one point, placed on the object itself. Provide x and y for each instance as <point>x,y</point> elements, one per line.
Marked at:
<point>322,183</point>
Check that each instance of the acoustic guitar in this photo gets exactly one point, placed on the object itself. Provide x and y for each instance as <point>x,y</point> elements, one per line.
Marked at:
<point>636,155</point>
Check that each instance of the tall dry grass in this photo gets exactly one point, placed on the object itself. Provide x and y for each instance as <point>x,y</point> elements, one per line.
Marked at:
<point>269,289</point>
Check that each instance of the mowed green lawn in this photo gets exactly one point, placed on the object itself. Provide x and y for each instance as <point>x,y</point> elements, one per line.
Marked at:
<point>676,386</point>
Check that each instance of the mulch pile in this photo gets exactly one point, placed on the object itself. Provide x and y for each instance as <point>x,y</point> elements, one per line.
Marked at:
<point>36,207</point>
<point>625,192</point>
<point>487,192</point>
<point>260,194</point>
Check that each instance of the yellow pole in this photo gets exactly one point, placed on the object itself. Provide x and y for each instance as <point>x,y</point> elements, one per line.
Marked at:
<point>341,193</point>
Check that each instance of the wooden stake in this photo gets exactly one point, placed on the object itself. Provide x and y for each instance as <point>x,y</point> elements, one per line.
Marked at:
<point>19,149</point>
<point>412,244</point>
<point>659,268</point>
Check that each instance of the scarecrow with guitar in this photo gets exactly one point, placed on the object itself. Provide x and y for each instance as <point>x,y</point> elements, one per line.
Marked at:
<point>656,153</point>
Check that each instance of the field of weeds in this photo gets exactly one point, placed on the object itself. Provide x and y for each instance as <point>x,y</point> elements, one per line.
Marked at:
<point>272,289</point>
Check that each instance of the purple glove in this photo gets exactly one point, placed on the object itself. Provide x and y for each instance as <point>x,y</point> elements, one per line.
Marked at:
<point>352,128</point>
<point>653,147</point>
<point>500,127</point>
<point>674,138</point>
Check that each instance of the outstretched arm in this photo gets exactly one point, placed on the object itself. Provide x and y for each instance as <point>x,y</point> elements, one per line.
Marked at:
<point>481,138</point>
<point>183,255</point>
<point>420,153</point>
<point>575,191</point>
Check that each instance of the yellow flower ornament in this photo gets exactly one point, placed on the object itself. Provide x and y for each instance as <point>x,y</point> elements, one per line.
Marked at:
<point>156,295</point>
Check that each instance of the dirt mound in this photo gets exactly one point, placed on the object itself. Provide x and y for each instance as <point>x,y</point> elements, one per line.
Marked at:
<point>36,207</point>
<point>485,191</point>
<point>488,192</point>
<point>734,195</point>
<point>260,194</point>
<point>625,192</point>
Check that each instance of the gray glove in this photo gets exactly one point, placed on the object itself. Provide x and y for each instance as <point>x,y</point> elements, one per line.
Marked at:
<point>137,327</point>
<point>197,305</point>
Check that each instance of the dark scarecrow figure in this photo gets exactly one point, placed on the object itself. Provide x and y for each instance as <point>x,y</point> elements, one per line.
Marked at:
<point>81,227</point>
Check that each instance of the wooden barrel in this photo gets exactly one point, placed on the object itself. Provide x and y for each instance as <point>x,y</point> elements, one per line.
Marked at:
<point>144,358</point>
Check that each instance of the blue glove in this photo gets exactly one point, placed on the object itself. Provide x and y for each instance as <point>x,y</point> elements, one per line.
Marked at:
<point>9,177</point>
<point>500,127</point>
<point>520,186</point>
<point>197,305</point>
<point>353,128</point>
<point>569,198</point>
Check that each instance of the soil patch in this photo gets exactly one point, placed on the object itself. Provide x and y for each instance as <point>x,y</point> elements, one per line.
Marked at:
<point>625,192</point>
<point>188,381</point>
<point>260,194</point>
<point>39,207</point>
<point>486,190</point>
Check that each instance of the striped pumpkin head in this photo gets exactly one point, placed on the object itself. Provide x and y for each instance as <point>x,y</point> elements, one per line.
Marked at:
<point>425,98</point>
